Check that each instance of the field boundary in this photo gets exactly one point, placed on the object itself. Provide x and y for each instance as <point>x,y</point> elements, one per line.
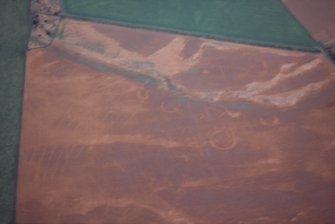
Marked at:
<point>228,38</point>
<point>315,49</point>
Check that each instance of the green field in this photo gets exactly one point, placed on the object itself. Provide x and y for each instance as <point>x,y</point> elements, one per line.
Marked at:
<point>14,32</point>
<point>264,22</point>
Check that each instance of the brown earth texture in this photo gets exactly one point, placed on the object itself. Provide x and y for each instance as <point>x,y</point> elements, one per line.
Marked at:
<point>126,125</point>
<point>317,16</point>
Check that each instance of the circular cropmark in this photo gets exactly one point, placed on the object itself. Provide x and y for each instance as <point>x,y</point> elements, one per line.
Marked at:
<point>223,139</point>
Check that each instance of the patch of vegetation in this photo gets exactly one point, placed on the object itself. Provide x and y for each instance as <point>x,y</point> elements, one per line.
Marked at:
<point>15,25</point>
<point>264,22</point>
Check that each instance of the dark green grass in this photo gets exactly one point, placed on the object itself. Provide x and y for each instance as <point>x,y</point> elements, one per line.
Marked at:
<point>14,32</point>
<point>264,22</point>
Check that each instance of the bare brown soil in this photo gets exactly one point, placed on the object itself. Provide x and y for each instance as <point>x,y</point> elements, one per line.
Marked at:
<point>188,131</point>
<point>317,16</point>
